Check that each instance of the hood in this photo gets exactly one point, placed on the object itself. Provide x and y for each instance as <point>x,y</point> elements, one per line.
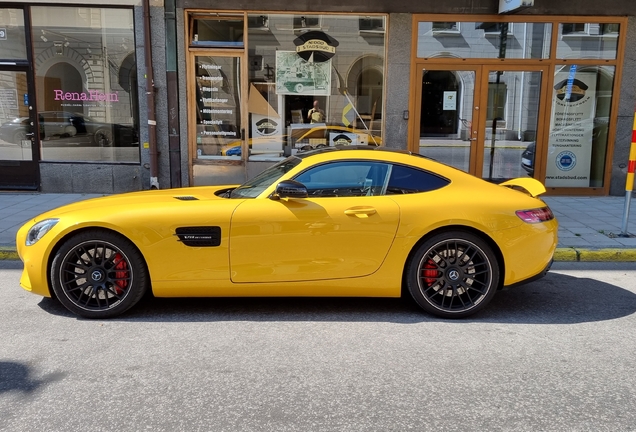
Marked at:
<point>146,199</point>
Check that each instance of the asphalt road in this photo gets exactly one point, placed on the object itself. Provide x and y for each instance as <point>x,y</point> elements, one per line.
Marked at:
<point>554,355</point>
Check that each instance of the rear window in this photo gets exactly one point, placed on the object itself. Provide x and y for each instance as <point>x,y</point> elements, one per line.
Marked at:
<point>406,180</point>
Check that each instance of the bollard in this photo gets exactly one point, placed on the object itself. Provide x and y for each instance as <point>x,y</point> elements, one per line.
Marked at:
<point>629,183</point>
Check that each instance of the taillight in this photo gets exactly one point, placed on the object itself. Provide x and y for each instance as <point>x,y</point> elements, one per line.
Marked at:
<point>536,215</point>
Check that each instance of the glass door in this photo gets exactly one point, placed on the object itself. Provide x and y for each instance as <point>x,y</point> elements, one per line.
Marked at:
<point>446,128</point>
<point>19,168</point>
<point>509,125</point>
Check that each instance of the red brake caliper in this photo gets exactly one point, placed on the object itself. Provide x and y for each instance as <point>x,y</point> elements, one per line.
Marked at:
<point>121,274</point>
<point>430,272</point>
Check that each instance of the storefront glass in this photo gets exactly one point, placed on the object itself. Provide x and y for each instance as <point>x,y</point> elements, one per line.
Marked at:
<point>218,111</point>
<point>12,41</point>
<point>577,147</point>
<point>588,40</point>
<point>314,81</point>
<point>484,40</point>
<point>86,83</point>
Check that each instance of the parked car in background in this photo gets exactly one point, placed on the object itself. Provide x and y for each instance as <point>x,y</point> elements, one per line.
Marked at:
<point>527,159</point>
<point>62,128</point>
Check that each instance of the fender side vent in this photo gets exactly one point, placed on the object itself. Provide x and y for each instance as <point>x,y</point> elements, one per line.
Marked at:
<point>199,236</point>
<point>187,198</point>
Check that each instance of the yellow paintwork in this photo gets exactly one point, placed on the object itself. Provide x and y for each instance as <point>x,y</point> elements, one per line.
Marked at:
<point>355,246</point>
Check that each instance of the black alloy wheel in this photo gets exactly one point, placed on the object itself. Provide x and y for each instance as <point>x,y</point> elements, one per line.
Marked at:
<point>453,274</point>
<point>98,274</point>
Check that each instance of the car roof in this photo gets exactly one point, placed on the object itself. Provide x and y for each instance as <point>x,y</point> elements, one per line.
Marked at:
<point>357,147</point>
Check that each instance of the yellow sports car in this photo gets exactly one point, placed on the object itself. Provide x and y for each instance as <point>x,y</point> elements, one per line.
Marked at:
<point>340,221</point>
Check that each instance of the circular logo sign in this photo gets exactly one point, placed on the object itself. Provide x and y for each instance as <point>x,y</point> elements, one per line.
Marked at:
<point>266,126</point>
<point>342,139</point>
<point>315,45</point>
<point>566,160</point>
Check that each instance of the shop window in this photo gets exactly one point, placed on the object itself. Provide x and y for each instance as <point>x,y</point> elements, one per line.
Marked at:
<point>316,88</point>
<point>588,40</point>
<point>12,40</point>
<point>218,30</point>
<point>445,27</point>
<point>258,22</point>
<point>581,101</point>
<point>484,40</point>
<point>496,109</point>
<point>576,28</point>
<point>495,28</point>
<point>85,77</point>
<point>371,24</point>
<point>306,22</point>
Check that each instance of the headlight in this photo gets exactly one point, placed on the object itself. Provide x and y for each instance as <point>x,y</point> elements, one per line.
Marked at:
<point>38,230</point>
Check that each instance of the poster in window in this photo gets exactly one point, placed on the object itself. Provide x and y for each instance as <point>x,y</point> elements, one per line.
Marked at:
<point>450,101</point>
<point>294,75</point>
<point>572,128</point>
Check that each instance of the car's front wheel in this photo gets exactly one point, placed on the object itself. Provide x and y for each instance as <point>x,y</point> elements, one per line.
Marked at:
<point>453,274</point>
<point>98,274</point>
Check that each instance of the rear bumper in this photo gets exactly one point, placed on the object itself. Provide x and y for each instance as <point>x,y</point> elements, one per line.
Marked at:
<point>538,276</point>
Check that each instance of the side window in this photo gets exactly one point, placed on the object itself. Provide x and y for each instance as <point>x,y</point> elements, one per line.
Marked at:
<point>346,178</point>
<point>405,180</point>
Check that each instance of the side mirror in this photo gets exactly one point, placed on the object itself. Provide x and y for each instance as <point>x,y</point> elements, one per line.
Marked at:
<point>290,189</point>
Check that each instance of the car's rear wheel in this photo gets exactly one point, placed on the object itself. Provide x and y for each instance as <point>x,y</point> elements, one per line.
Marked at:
<point>103,137</point>
<point>453,274</point>
<point>299,88</point>
<point>98,274</point>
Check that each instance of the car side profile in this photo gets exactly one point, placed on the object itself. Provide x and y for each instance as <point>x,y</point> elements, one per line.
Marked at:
<point>350,221</point>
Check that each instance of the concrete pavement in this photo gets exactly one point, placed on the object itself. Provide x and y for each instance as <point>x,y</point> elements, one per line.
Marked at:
<point>588,226</point>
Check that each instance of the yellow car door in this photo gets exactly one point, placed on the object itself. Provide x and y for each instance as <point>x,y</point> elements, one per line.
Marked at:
<point>311,239</point>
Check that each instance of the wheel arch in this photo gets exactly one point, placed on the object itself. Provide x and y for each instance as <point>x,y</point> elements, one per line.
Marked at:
<point>482,235</point>
<point>73,233</point>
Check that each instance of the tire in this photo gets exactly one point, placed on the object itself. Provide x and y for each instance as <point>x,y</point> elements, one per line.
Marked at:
<point>298,88</point>
<point>453,274</point>
<point>98,274</point>
<point>103,137</point>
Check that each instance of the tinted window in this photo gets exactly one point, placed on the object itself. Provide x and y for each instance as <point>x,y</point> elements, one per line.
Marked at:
<point>406,180</point>
<point>346,178</point>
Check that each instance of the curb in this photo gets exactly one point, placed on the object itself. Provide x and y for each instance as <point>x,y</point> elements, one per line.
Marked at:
<point>560,255</point>
<point>595,255</point>
<point>8,253</point>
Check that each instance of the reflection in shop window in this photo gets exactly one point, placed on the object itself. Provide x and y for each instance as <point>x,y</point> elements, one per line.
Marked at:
<point>484,40</point>
<point>216,30</point>
<point>588,40</point>
<point>440,27</point>
<point>86,84</point>
<point>314,83</point>
<point>12,40</point>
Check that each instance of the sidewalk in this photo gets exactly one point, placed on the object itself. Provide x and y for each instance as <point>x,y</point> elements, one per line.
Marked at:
<point>588,226</point>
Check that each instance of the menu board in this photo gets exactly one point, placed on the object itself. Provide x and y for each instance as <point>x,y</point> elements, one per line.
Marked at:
<point>218,111</point>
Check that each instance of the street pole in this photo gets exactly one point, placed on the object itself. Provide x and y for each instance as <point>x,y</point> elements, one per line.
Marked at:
<point>629,183</point>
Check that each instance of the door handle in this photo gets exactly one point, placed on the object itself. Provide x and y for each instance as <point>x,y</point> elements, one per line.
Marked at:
<point>361,212</point>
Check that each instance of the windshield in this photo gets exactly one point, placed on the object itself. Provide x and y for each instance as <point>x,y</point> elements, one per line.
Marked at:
<point>258,184</point>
